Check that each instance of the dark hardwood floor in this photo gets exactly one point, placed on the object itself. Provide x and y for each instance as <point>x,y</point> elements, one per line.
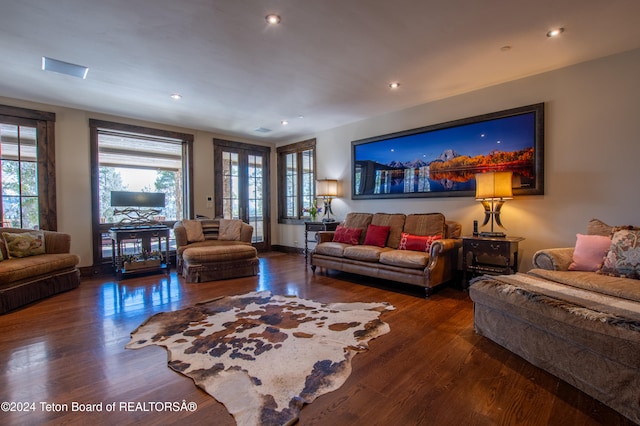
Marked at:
<point>431,369</point>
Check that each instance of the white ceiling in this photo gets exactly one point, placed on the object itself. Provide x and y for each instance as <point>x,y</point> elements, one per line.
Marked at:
<point>329,60</point>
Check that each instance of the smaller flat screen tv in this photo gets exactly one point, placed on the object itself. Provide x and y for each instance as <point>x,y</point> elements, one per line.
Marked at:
<point>137,199</point>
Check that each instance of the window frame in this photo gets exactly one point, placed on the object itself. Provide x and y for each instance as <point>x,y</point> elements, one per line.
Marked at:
<point>187,151</point>
<point>296,148</point>
<point>44,122</point>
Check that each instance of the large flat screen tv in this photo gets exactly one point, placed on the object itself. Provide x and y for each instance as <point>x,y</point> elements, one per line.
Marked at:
<point>137,199</point>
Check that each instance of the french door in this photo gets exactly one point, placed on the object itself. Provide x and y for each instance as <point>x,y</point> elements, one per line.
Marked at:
<point>241,186</point>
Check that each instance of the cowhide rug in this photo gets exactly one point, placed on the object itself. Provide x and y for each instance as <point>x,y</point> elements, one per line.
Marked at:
<point>264,356</point>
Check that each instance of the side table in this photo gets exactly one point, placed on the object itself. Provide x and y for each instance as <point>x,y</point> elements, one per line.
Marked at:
<point>315,227</point>
<point>489,255</point>
<point>146,235</point>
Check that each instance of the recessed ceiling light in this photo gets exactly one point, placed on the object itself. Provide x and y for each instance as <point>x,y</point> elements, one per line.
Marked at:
<point>284,122</point>
<point>176,96</point>
<point>54,65</point>
<point>272,18</point>
<point>394,85</point>
<point>555,32</point>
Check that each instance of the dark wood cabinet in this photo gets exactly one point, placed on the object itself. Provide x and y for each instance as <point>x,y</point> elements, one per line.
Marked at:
<point>489,255</point>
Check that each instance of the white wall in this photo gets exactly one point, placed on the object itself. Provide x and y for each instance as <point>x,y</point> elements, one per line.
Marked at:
<point>592,144</point>
<point>592,148</point>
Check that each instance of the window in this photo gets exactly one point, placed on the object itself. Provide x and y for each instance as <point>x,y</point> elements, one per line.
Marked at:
<point>296,180</point>
<point>141,160</point>
<point>27,169</point>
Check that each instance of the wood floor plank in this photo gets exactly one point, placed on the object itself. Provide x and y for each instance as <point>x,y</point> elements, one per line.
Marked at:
<point>431,369</point>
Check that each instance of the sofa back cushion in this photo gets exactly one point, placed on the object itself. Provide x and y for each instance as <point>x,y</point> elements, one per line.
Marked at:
<point>395,222</point>
<point>598,227</point>
<point>194,230</point>
<point>425,224</point>
<point>358,220</point>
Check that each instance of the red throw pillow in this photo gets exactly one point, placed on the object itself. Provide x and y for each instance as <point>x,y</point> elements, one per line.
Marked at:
<point>347,235</point>
<point>417,242</point>
<point>377,235</point>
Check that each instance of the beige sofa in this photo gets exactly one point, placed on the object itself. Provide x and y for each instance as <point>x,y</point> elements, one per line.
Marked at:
<point>207,251</point>
<point>25,280</point>
<point>426,269</point>
<point>581,326</point>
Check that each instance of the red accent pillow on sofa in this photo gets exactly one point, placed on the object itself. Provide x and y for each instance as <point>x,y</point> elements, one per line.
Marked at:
<point>417,242</point>
<point>377,235</point>
<point>347,235</point>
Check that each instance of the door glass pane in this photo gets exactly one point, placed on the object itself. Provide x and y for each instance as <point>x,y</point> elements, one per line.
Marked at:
<point>256,199</point>
<point>230,185</point>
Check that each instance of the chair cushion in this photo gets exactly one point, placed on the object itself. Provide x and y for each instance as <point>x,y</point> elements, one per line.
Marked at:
<point>219,253</point>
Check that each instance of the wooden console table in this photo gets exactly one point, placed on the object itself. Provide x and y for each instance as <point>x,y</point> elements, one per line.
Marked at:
<point>145,236</point>
<point>315,227</point>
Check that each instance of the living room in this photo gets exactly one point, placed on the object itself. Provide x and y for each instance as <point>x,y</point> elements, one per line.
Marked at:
<point>591,133</point>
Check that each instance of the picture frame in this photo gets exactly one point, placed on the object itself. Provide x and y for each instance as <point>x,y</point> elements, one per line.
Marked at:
<point>441,160</point>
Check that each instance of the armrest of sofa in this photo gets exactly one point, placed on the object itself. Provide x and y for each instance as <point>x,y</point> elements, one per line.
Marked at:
<point>246,232</point>
<point>554,259</point>
<point>180,233</point>
<point>57,242</point>
<point>325,236</point>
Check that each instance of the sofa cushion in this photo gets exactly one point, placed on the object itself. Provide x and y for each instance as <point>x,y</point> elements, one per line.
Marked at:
<point>425,224</point>
<point>14,270</point>
<point>395,222</point>
<point>194,230</point>
<point>365,253</point>
<point>24,244</point>
<point>598,227</point>
<point>405,259</point>
<point>376,235</point>
<point>331,249</point>
<point>589,252</point>
<point>230,229</point>
<point>358,220</point>
<point>623,258</point>
<point>417,242</point>
<point>347,235</point>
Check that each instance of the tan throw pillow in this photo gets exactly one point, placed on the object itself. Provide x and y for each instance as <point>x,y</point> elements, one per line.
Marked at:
<point>194,230</point>
<point>230,229</point>
<point>24,244</point>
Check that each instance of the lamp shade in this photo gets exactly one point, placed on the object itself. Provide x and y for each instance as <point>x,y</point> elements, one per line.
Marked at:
<point>326,188</point>
<point>494,185</point>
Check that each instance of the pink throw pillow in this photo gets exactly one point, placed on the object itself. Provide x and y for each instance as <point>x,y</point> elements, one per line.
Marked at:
<point>347,235</point>
<point>377,235</point>
<point>417,242</point>
<point>589,252</point>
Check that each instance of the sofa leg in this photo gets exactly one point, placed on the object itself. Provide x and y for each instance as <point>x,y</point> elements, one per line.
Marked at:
<point>428,292</point>
<point>313,268</point>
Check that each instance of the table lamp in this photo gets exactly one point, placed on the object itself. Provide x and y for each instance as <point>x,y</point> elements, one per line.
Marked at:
<point>492,189</point>
<point>327,189</point>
